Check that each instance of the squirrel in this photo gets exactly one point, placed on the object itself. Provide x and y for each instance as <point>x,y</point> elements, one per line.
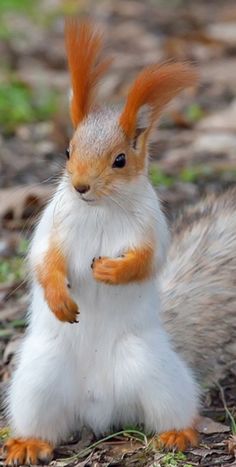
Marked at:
<point>96,353</point>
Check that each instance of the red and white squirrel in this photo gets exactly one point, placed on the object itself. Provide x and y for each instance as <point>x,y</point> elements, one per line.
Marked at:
<point>104,234</point>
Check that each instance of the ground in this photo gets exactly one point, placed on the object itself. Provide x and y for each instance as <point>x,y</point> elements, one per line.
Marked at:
<point>193,155</point>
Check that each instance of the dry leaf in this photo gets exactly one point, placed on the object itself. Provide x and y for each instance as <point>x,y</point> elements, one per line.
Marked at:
<point>204,452</point>
<point>21,202</point>
<point>224,120</point>
<point>119,449</point>
<point>224,32</point>
<point>207,426</point>
<point>231,443</point>
<point>11,348</point>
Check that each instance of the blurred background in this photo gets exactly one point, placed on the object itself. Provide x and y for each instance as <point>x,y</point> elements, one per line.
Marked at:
<point>195,145</point>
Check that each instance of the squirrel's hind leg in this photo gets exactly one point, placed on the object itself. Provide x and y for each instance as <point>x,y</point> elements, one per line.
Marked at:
<point>30,451</point>
<point>178,440</point>
<point>169,396</point>
<point>42,398</point>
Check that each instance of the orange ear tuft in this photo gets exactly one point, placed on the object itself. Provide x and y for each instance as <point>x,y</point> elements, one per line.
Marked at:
<point>84,46</point>
<point>155,86</point>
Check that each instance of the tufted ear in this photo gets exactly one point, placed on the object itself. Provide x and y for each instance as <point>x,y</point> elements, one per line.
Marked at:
<point>84,46</point>
<point>153,88</point>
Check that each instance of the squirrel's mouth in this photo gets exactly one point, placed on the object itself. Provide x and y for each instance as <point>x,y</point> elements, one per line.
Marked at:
<point>87,200</point>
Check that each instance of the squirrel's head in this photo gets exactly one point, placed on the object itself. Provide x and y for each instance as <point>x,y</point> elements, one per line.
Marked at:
<point>109,148</point>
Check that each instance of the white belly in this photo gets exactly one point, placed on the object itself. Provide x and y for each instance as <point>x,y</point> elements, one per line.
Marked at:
<point>111,334</point>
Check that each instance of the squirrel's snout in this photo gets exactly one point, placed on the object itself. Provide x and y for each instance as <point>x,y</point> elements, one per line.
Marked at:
<point>82,189</point>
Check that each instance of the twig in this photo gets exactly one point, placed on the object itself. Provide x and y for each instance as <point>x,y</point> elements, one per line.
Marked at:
<point>232,420</point>
<point>87,450</point>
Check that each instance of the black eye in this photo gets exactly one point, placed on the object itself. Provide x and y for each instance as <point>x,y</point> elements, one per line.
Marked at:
<point>119,161</point>
<point>67,153</point>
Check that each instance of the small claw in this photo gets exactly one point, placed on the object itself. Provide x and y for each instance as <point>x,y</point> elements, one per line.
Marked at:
<point>75,320</point>
<point>4,449</point>
<point>99,257</point>
<point>69,286</point>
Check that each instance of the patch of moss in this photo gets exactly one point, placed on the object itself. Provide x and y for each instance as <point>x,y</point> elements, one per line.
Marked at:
<point>21,7</point>
<point>193,174</point>
<point>24,6</point>
<point>158,177</point>
<point>23,246</point>
<point>194,113</point>
<point>12,269</point>
<point>4,433</point>
<point>21,104</point>
<point>174,459</point>
<point>72,7</point>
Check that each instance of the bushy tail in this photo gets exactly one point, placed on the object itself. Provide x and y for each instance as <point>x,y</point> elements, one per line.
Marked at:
<point>198,287</point>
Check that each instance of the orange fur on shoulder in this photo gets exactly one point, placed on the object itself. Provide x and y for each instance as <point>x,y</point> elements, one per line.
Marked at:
<point>84,46</point>
<point>155,86</point>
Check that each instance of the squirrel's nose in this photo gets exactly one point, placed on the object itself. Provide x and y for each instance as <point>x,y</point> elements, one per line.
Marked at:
<point>82,188</point>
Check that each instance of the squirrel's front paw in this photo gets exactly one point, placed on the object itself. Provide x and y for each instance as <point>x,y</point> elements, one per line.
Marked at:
<point>62,305</point>
<point>107,270</point>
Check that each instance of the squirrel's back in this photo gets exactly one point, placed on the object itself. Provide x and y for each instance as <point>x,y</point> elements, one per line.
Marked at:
<point>198,286</point>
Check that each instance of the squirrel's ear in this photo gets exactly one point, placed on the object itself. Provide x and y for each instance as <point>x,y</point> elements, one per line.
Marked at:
<point>142,125</point>
<point>84,46</point>
<point>153,88</point>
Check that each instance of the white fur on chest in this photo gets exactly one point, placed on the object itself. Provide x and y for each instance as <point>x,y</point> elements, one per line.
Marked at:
<point>108,231</point>
<point>100,233</point>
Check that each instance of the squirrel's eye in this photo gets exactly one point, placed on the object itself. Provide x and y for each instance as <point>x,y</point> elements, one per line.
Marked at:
<point>67,153</point>
<point>119,161</point>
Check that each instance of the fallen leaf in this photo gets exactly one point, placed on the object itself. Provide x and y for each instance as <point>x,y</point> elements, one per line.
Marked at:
<point>224,120</point>
<point>20,203</point>
<point>215,143</point>
<point>231,443</point>
<point>122,448</point>
<point>225,32</point>
<point>221,70</point>
<point>204,452</point>
<point>11,348</point>
<point>207,426</point>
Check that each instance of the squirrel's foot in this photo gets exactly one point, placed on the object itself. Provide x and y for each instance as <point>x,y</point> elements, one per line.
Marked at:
<point>108,270</point>
<point>179,440</point>
<point>61,304</point>
<point>25,451</point>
